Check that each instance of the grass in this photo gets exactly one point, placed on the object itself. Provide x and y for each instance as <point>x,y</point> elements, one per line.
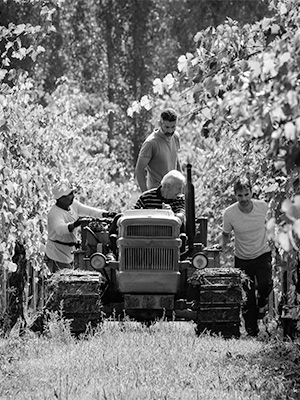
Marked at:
<point>130,361</point>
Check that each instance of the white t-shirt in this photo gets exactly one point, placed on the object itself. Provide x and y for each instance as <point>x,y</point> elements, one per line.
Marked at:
<point>250,233</point>
<point>58,221</point>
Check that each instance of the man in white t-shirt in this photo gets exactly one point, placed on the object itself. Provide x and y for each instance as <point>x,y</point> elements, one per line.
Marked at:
<point>246,218</point>
<point>63,218</point>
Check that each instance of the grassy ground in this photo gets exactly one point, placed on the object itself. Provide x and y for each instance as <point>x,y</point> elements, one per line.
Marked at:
<point>130,361</point>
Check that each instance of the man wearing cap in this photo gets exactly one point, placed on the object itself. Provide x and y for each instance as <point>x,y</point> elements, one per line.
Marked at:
<point>64,216</point>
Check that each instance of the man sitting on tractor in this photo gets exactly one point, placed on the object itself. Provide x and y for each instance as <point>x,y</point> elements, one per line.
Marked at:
<point>167,196</point>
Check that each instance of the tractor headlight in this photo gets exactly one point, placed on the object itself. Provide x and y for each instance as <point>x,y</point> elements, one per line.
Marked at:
<point>199,261</point>
<point>98,261</point>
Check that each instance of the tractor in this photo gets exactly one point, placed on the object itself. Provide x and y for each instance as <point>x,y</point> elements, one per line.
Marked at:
<point>149,270</point>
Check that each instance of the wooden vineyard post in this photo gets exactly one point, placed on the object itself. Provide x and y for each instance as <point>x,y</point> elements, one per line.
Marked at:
<point>35,289</point>
<point>4,290</point>
<point>42,302</point>
<point>27,286</point>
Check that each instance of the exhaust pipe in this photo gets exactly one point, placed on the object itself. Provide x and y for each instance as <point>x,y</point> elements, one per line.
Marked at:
<point>194,240</point>
<point>190,208</point>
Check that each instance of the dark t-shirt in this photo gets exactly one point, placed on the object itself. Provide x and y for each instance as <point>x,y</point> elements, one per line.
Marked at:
<point>152,199</point>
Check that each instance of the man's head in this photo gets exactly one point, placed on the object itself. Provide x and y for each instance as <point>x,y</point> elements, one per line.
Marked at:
<point>168,120</point>
<point>169,115</point>
<point>63,192</point>
<point>243,191</point>
<point>172,184</point>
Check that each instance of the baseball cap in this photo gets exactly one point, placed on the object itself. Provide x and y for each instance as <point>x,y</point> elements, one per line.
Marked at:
<point>62,188</point>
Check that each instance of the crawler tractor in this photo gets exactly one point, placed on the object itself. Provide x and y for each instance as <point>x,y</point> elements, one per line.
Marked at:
<point>147,271</point>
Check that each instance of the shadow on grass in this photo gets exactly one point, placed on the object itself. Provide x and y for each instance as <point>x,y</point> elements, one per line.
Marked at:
<point>279,363</point>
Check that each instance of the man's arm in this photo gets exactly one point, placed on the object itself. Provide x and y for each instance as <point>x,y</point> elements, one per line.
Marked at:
<point>139,204</point>
<point>178,165</point>
<point>178,208</point>
<point>84,210</point>
<point>177,139</point>
<point>223,239</point>
<point>140,172</point>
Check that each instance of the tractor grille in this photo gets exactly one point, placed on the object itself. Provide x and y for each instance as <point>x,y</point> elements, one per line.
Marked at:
<point>150,258</point>
<point>162,231</point>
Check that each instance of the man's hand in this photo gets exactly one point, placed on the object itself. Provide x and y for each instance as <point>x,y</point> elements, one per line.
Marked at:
<point>109,214</point>
<point>77,223</point>
<point>216,246</point>
<point>81,220</point>
<point>223,239</point>
<point>165,206</point>
<point>179,219</point>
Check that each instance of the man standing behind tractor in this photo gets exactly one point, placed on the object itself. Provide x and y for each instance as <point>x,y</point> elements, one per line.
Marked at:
<point>64,216</point>
<point>159,152</point>
<point>246,218</point>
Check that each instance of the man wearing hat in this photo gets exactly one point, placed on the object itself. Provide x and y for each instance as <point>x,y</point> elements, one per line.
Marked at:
<point>64,216</point>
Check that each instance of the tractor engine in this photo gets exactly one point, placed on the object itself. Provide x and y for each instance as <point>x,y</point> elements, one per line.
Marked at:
<point>149,252</point>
